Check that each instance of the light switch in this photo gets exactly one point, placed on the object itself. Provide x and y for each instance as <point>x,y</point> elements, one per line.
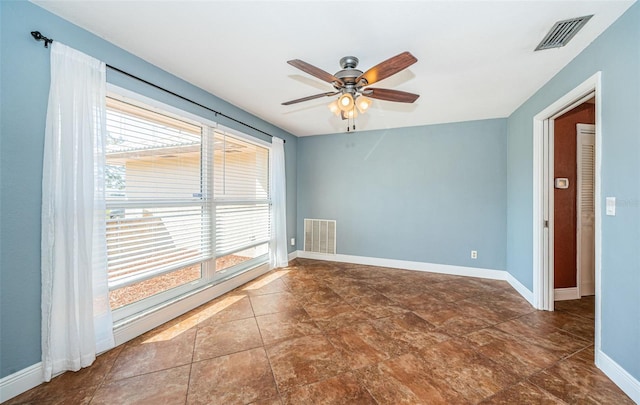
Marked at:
<point>611,206</point>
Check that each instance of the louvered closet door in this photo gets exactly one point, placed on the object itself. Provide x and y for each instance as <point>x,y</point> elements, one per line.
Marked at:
<point>586,157</point>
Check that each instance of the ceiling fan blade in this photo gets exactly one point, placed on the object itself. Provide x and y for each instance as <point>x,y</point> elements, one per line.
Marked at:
<point>387,68</point>
<point>314,71</point>
<point>299,100</point>
<point>391,95</point>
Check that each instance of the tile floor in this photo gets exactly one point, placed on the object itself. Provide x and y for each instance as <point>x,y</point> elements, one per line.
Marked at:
<point>331,333</point>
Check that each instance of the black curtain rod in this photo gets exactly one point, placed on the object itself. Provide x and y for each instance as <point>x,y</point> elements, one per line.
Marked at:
<point>39,37</point>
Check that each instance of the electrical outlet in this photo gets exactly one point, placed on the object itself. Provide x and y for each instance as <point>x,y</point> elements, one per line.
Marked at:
<point>474,254</point>
<point>293,241</point>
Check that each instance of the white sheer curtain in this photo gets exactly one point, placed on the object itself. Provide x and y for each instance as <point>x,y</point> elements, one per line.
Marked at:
<point>279,255</point>
<point>76,318</point>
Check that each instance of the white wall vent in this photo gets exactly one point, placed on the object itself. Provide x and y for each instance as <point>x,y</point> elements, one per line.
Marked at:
<point>562,32</point>
<point>320,236</point>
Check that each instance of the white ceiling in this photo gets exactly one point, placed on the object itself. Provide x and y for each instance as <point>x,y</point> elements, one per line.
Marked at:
<point>475,58</point>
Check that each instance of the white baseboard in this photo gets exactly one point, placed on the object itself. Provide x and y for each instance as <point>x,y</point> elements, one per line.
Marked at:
<point>619,376</point>
<point>422,266</point>
<point>293,255</point>
<point>520,288</point>
<point>20,381</point>
<point>564,294</point>
<point>408,265</point>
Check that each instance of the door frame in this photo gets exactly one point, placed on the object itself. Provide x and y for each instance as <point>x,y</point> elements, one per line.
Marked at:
<point>543,289</point>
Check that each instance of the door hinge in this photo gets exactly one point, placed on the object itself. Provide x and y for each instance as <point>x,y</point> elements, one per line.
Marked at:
<point>546,223</point>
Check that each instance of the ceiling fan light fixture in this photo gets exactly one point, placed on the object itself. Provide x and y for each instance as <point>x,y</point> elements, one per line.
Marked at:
<point>349,115</point>
<point>363,103</point>
<point>345,102</point>
<point>333,107</point>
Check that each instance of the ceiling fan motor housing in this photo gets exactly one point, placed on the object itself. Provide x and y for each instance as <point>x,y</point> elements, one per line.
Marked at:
<point>348,75</point>
<point>349,62</point>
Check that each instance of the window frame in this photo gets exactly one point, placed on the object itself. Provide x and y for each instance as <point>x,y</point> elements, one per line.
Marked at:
<point>230,272</point>
<point>209,275</point>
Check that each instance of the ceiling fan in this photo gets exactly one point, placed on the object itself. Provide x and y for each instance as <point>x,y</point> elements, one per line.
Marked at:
<point>351,83</point>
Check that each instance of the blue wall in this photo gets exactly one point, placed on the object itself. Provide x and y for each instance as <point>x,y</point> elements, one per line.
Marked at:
<point>24,87</point>
<point>429,194</point>
<point>617,54</point>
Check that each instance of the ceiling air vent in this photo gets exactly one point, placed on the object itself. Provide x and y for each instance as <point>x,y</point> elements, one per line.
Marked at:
<point>562,32</point>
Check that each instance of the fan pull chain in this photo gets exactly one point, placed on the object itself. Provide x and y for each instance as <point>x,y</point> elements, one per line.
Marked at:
<point>352,118</point>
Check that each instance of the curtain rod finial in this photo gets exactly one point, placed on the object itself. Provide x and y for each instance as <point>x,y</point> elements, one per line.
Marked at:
<point>39,37</point>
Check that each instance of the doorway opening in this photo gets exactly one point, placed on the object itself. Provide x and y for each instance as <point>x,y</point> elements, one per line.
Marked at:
<point>573,174</point>
<point>544,251</point>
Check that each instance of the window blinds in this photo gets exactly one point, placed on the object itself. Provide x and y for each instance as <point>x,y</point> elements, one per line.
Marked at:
<point>158,212</point>
<point>241,194</point>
